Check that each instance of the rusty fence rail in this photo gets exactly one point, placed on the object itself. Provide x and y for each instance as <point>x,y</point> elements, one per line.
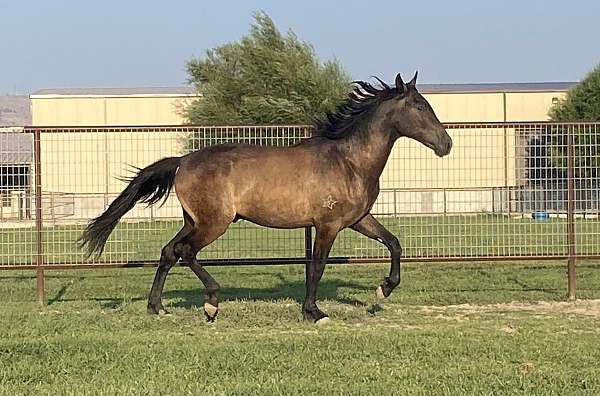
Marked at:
<point>508,191</point>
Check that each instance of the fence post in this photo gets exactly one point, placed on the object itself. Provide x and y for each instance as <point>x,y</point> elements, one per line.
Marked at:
<point>571,213</point>
<point>308,243</point>
<point>41,298</point>
<point>307,230</point>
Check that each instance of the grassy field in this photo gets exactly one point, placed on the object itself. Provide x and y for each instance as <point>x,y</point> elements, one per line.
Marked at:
<point>479,235</point>
<point>485,329</point>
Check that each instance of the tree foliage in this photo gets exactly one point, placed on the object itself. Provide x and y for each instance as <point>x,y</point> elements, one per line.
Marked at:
<point>265,78</point>
<point>582,103</point>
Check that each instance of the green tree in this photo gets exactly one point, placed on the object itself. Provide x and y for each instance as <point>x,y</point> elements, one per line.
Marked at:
<point>582,103</point>
<point>265,78</point>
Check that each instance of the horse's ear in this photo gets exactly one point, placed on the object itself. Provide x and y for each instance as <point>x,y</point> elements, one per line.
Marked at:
<point>413,82</point>
<point>400,86</point>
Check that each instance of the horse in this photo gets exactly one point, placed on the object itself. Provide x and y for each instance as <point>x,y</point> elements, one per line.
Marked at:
<point>329,181</point>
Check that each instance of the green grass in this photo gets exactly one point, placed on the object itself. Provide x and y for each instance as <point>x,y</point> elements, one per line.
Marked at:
<point>94,337</point>
<point>481,235</point>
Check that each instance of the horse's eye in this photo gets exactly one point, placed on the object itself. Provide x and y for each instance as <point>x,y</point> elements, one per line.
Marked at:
<point>420,107</point>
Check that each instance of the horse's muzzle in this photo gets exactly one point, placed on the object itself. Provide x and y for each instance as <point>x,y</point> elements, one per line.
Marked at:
<point>444,147</point>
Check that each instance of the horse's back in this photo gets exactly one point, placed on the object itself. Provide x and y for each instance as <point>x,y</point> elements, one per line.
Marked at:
<point>261,183</point>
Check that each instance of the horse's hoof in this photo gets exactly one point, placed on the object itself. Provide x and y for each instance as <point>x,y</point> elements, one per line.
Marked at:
<point>210,311</point>
<point>323,321</point>
<point>380,294</point>
<point>315,316</point>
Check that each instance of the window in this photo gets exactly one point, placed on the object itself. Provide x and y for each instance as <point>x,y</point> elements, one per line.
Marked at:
<point>12,178</point>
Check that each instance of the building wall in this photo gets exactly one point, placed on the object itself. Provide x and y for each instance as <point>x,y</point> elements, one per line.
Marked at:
<point>493,107</point>
<point>81,170</point>
<point>478,159</point>
<point>530,106</point>
<point>56,110</point>
<point>420,182</point>
<point>467,107</point>
<point>96,111</point>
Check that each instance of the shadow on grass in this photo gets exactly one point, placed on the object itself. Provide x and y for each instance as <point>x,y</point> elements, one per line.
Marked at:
<point>284,288</point>
<point>525,287</point>
<point>295,290</point>
<point>61,292</point>
<point>287,290</point>
<point>188,298</point>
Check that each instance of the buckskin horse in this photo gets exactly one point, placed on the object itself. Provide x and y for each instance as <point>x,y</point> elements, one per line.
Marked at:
<point>329,181</point>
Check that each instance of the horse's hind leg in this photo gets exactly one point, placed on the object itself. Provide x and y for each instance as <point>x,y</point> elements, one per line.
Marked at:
<point>324,238</point>
<point>168,258</point>
<point>201,236</point>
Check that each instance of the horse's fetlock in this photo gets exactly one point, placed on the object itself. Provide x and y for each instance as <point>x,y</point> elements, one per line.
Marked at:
<point>393,280</point>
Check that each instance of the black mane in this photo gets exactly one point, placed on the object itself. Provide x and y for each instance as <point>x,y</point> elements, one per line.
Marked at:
<point>360,103</point>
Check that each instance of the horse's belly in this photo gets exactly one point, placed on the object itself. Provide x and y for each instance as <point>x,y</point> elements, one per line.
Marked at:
<point>270,210</point>
<point>294,206</point>
<point>277,222</point>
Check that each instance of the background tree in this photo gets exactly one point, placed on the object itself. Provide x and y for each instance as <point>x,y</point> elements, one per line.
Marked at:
<point>582,103</point>
<point>265,78</point>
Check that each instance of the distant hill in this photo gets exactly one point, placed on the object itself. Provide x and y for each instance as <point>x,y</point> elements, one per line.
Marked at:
<point>15,111</point>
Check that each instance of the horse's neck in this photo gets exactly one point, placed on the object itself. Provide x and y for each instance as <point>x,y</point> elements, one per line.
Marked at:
<point>370,151</point>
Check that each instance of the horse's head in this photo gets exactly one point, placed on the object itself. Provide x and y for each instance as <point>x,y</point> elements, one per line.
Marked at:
<point>412,116</point>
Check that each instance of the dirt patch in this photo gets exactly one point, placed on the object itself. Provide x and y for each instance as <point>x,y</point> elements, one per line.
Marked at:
<point>577,307</point>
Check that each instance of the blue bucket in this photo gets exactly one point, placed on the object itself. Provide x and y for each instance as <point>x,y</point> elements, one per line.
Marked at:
<point>540,216</point>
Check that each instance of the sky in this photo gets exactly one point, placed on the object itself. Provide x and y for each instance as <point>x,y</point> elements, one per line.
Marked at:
<point>119,43</point>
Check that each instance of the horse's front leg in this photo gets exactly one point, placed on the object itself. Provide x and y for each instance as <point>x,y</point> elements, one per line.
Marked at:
<point>373,229</point>
<point>325,236</point>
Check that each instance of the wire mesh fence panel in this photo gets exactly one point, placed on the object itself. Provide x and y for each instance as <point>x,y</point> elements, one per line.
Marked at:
<point>17,216</point>
<point>586,173</point>
<point>502,192</point>
<point>81,174</point>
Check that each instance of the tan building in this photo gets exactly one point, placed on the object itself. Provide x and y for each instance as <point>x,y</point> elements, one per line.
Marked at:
<point>511,102</point>
<point>110,106</point>
<point>95,159</point>
<point>415,181</point>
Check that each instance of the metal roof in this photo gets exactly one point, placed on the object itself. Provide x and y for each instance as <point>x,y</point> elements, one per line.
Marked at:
<point>497,87</point>
<point>15,147</point>
<point>139,91</point>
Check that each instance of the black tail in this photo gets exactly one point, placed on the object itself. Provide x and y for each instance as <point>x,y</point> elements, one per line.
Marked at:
<point>149,185</point>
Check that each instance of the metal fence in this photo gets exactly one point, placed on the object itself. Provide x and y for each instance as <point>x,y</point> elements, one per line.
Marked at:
<point>507,191</point>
